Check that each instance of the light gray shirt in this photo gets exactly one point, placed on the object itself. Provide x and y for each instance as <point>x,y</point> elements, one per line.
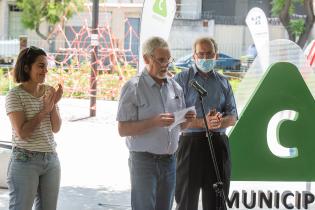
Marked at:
<point>142,98</point>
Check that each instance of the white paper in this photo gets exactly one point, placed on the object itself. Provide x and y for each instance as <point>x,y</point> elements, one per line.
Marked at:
<point>180,116</point>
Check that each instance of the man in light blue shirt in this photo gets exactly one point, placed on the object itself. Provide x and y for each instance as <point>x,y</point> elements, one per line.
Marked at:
<point>195,168</point>
<point>145,112</point>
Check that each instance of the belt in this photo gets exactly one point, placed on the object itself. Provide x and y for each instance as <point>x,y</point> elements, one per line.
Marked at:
<point>17,149</point>
<point>202,134</point>
<point>153,156</point>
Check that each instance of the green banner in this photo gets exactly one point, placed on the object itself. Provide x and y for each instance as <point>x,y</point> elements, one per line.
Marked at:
<point>270,143</point>
<point>160,8</point>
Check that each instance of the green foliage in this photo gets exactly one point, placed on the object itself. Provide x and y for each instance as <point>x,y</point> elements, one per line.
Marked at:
<point>297,27</point>
<point>6,81</point>
<point>234,83</point>
<point>76,81</point>
<point>174,70</point>
<point>278,5</point>
<point>32,12</point>
<point>37,11</point>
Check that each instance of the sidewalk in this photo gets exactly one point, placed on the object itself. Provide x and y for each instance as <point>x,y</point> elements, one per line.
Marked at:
<point>94,158</point>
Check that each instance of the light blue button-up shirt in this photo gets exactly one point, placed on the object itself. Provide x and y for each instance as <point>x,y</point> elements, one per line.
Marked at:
<point>142,98</point>
<point>220,95</point>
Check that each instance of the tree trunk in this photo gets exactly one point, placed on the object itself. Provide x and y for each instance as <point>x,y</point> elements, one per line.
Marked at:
<point>39,33</point>
<point>309,21</point>
<point>285,19</point>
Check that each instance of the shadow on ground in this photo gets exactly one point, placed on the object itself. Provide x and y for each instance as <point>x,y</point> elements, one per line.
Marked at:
<point>81,198</point>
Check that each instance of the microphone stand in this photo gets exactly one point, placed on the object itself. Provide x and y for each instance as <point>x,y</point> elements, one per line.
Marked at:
<point>217,186</point>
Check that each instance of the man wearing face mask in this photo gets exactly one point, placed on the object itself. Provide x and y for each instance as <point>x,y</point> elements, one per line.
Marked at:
<point>195,169</point>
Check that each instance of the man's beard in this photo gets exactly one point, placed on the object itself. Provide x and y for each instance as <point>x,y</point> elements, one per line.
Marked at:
<point>162,75</point>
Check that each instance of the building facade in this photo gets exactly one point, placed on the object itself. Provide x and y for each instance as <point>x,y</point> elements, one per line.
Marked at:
<point>217,18</point>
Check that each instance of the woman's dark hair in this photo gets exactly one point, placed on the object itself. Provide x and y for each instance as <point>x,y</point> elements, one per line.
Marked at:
<point>24,62</point>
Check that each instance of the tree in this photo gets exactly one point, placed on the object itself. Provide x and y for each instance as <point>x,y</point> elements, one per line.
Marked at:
<point>298,27</point>
<point>36,12</point>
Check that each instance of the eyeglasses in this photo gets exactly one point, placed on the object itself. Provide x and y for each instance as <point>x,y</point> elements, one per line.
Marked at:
<point>205,54</point>
<point>163,62</point>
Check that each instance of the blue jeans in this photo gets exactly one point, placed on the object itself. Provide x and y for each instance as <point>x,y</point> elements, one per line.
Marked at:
<point>33,176</point>
<point>153,181</point>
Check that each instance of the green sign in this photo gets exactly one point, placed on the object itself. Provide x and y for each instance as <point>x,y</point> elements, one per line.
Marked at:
<point>274,138</point>
<point>159,7</point>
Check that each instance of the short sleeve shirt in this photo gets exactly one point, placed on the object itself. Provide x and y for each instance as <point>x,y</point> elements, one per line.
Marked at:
<point>42,139</point>
<point>219,94</point>
<point>142,98</point>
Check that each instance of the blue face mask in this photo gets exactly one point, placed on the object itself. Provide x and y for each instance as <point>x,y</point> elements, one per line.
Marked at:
<point>205,65</point>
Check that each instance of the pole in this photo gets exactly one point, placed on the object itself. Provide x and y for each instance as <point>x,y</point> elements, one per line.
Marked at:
<point>93,81</point>
<point>218,186</point>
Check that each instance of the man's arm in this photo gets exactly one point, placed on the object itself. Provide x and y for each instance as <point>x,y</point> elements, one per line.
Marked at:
<point>216,121</point>
<point>190,117</point>
<point>196,123</point>
<point>228,121</point>
<point>133,128</point>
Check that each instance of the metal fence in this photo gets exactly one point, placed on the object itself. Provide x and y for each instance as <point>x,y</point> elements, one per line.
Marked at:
<point>8,51</point>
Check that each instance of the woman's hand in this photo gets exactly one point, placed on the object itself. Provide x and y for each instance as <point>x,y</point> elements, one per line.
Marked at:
<point>49,100</point>
<point>58,93</point>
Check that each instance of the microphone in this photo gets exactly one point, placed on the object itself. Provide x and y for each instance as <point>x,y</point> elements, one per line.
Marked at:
<point>202,92</point>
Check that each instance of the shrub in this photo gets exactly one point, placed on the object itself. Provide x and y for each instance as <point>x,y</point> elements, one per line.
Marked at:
<point>6,80</point>
<point>76,80</point>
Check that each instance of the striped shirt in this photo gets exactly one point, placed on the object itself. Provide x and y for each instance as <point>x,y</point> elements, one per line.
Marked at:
<point>42,138</point>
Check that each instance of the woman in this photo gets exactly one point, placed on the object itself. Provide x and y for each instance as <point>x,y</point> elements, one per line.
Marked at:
<point>34,168</point>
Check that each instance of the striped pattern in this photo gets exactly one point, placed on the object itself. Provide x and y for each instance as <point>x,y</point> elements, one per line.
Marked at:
<point>311,53</point>
<point>42,139</point>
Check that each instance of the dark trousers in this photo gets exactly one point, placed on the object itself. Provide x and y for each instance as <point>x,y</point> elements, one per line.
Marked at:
<point>195,171</point>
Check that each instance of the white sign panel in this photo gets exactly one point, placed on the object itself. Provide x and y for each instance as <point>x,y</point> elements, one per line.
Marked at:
<point>258,26</point>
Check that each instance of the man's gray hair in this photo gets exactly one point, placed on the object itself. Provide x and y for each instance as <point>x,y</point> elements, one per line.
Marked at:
<point>207,40</point>
<point>153,43</point>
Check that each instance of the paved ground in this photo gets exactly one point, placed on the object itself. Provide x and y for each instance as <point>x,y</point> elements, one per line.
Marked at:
<point>94,160</point>
<point>92,155</point>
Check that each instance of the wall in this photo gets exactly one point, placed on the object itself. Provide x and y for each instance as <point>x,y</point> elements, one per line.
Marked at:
<point>183,32</point>
<point>189,9</point>
<point>232,39</point>
<point>111,15</point>
<point>3,19</point>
